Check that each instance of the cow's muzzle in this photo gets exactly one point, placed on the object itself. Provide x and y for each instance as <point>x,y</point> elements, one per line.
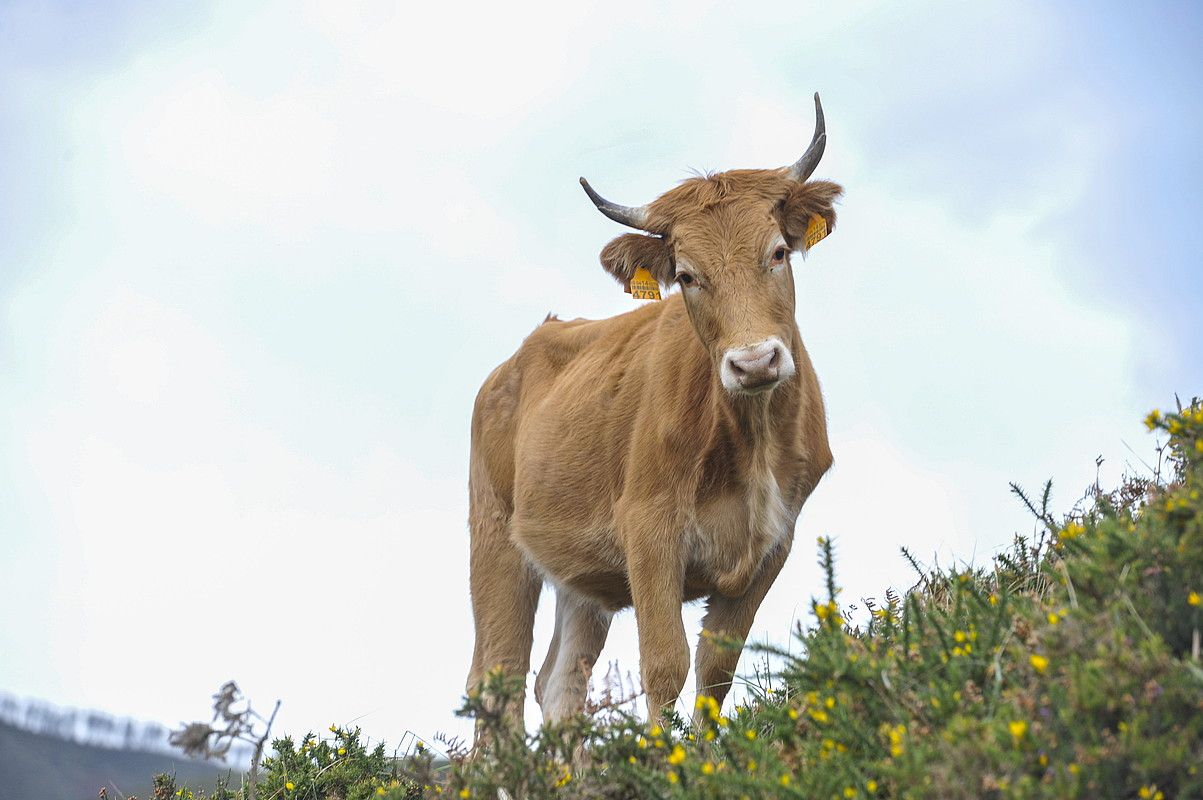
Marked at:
<point>756,368</point>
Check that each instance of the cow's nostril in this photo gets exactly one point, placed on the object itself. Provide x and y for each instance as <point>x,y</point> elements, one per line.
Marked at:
<point>736,367</point>
<point>774,358</point>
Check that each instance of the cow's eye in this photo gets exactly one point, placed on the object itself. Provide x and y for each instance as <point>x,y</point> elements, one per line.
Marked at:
<point>779,255</point>
<point>684,278</point>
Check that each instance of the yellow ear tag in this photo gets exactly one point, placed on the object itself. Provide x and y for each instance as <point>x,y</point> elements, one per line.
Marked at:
<point>643,285</point>
<point>816,231</point>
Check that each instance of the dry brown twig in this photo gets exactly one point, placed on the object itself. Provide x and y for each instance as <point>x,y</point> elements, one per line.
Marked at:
<point>230,724</point>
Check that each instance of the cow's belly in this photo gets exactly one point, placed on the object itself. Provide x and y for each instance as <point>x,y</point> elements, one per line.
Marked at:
<point>585,558</point>
<point>566,485</point>
<point>725,544</point>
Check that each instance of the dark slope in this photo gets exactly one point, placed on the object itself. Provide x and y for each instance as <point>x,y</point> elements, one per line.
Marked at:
<point>47,768</point>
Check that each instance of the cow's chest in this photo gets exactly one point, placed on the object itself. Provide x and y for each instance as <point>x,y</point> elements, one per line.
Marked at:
<point>730,534</point>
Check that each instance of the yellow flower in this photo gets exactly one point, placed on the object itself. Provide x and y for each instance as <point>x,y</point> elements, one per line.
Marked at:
<point>565,779</point>
<point>342,751</point>
<point>793,713</point>
<point>871,787</point>
<point>818,715</point>
<point>708,736</point>
<point>895,733</point>
<point>333,728</point>
<point>380,791</point>
<point>1038,662</point>
<point>465,793</point>
<point>783,780</point>
<point>1193,597</point>
<point>1153,419</point>
<point>849,792</point>
<point>1074,768</point>
<point>633,760</point>
<point>1018,728</point>
<point>290,786</point>
<point>959,636</point>
<point>1073,530</point>
<point>1053,618</point>
<point>751,735</point>
<point>751,765</point>
<point>677,755</point>
<point>672,777</point>
<point>641,741</point>
<point>708,768</point>
<point>993,599</point>
<point>656,730</point>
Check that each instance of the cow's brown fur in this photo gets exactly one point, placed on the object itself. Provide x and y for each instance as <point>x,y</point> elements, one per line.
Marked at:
<point>608,458</point>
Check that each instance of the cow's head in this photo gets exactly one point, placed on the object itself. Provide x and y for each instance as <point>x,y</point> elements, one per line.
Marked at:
<point>726,239</point>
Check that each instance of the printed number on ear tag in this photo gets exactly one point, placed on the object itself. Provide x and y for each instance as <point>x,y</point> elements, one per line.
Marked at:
<point>816,231</point>
<point>644,286</point>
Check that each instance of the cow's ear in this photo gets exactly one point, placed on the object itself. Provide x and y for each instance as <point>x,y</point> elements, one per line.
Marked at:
<point>803,203</point>
<point>630,251</point>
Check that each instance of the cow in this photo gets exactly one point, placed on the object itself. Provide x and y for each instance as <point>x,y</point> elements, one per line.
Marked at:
<point>660,456</point>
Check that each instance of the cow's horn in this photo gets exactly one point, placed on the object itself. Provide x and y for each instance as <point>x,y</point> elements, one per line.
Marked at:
<point>627,215</point>
<point>804,166</point>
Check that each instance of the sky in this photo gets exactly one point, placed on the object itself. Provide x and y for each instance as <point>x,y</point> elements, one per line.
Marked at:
<point>256,261</point>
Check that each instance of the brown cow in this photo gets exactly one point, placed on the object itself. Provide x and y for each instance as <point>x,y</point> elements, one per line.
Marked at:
<point>659,456</point>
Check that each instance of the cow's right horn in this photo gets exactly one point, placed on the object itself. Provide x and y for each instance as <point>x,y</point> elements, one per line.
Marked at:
<point>804,166</point>
<point>635,217</point>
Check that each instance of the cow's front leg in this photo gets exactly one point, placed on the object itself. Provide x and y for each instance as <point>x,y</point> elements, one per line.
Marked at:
<point>656,571</point>
<point>731,617</point>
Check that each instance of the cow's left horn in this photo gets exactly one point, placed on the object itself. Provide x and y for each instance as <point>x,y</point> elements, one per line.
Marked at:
<point>636,217</point>
<point>804,166</point>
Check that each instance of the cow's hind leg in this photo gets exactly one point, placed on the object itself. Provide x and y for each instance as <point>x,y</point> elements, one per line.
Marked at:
<point>505,594</point>
<point>563,682</point>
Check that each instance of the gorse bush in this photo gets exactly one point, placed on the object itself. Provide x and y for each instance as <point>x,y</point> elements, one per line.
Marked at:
<point>1069,668</point>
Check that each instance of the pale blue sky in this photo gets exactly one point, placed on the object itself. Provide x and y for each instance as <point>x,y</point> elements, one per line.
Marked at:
<point>254,265</point>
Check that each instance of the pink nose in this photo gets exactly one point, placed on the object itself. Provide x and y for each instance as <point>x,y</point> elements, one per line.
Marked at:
<point>757,366</point>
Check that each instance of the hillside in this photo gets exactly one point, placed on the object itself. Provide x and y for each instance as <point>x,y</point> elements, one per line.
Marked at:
<point>39,766</point>
<point>1069,666</point>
